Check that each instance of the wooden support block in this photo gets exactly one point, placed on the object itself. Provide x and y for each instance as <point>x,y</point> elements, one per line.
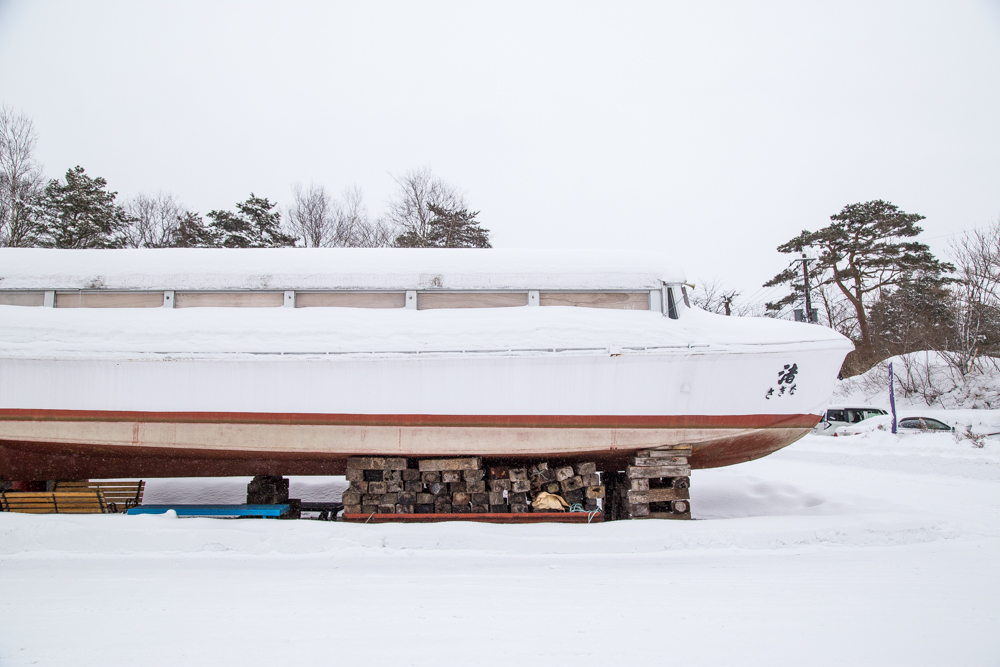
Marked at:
<point>358,487</point>
<point>665,515</point>
<point>499,508</point>
<point>552,487</point>
<point>564,473</point>
<point>518,474</point>
<point>443,508</point>
<point>638,497</point>
<point>514,497</point>
<point>378,488</point>
<point>497,498</point>
<point>680,506</point>
<point>461,509</point>
<point>480,509</point>
<point>438,488</point>
<point>370,499</point>
<point>355,475</point>
<point>647,472</point>
<point>665,461</point>
<point>594,492</point>
<point>590,505</point>
<point>372,475</point>
<point>407,498</point>
<point>393,487</point>
<point>639,484</point>
<point>369,509</point>
<point>411,475</point>
<point>425,499</point>
<point>480,498</point>
<point>592,479</point>
<point>666,450</point>
<point>460,499</point>
<point>352,509</point>
<point>386,509</point>
<point>573,496</point>
<point>585,468</point>
<point>423,508</point>
<point>547,475</point>
<point>349,498</point>
<point>430,477</point>
<point>392,475</point>
<point>450,464</point>
<point>451,476</point>
<point>413,487</point>
<point>376,463</point>
<point>498,472</point>
<point>680,482</point>
<point>476,487</point>
<point>640,509</point>
<point>473,475</point>
<point>404,509</point>
<point>519,507</point>
<point>458,487</point>
<point>520,486</point>
<point>499,485</point>
<point>662,495</point>
<point>389,499</point>
<point>571,483</point>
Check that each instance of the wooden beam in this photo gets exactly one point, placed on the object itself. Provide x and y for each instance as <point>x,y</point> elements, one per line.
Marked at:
<point>81,299</point>
<point>22,298</point>
<point>430,300</point>
<point>350,299</point>
<point>616,300</point>
<point>228,299</point>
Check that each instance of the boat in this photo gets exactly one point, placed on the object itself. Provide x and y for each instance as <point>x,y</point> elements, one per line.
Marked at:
<point>212,362</point>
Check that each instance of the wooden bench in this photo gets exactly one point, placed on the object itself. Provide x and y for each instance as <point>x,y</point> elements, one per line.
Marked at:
<point>118,496</point>
<point>53,502</point>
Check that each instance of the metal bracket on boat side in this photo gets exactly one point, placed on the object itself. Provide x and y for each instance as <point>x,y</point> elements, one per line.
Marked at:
<point>49,299</point>
<point>289,299</point>
<point>533,297</point>
<point>411,299</point>
<point>168,299</point>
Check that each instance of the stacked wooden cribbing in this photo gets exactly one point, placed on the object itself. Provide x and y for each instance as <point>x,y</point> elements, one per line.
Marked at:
<point>509,489</point>
<point>395,485</point>
<point>577,484</point>
<point>655,486</point>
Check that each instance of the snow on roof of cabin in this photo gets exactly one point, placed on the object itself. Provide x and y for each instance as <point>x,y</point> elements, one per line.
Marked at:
<point>333,268</point>
<point>214,332</point>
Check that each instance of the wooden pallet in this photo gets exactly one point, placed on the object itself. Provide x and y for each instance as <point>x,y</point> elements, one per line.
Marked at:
<point>526,517</point>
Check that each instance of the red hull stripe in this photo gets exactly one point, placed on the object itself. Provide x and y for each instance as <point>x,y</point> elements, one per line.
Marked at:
<point>508,421</point>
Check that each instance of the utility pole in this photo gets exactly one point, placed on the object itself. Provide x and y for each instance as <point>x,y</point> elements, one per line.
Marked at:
<point>805,284</point>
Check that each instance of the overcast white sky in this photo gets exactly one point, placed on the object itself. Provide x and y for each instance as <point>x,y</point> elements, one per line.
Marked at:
<point>714,130</point>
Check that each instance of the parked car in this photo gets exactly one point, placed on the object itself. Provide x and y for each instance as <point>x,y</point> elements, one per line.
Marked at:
<point>845,415</point>
<point>904,425</point>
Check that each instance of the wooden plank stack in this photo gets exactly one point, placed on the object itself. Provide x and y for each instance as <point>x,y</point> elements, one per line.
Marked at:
<point>395,485</point>
<point>654,486</point>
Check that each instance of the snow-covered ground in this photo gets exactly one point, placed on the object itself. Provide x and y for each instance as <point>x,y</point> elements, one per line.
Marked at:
<point>871,550</point>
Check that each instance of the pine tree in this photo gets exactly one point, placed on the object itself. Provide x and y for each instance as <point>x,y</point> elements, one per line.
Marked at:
<point>864,253</point>
<point>448,229</point>
<point>254,225</point>
<point>81,213</point>
<point>191,232</point>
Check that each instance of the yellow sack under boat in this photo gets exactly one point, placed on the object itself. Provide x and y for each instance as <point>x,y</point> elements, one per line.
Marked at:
<point>549,501</point>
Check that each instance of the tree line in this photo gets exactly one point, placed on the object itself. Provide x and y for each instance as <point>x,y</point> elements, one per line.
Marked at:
<point>79,211</point>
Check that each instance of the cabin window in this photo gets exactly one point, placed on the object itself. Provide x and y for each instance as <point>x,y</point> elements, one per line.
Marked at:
<point>835,416</point>
<point>671,306</point>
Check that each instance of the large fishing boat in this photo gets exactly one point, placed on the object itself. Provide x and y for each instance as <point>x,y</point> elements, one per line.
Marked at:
<point>184,362</point>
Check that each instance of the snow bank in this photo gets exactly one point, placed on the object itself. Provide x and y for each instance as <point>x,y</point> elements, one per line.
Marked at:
<point>333,268</point>
<point>925,379</point>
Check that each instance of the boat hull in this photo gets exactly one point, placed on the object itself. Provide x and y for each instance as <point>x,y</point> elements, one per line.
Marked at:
<point>92,418</point>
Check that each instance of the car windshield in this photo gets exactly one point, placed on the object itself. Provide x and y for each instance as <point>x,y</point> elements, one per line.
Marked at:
<point>924,424</point>
<point>835,415</point>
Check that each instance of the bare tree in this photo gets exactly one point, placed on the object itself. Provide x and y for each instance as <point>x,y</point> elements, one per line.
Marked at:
<point>154,219</point>
<point>409,210</point>
<point>311,216</point>
<point>715,297</point>
<point>21,180</point>
<point>975,298</point>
